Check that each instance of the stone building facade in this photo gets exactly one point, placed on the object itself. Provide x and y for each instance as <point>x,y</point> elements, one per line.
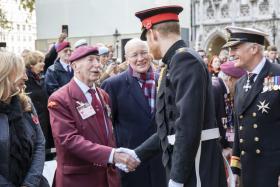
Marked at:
<point>210,17</point>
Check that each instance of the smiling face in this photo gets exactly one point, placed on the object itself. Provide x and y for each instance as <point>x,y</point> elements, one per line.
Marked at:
<point>137,55</point>
<point>87,69</point>
<point>241,55</point>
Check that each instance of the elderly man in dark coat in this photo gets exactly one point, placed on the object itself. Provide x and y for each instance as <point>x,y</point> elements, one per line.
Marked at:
<point>133,95</point>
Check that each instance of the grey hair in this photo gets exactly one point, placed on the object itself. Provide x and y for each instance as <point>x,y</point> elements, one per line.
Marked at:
<point>132,42</point>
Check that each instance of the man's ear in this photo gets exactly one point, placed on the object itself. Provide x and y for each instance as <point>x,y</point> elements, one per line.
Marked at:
<point>152,35</point>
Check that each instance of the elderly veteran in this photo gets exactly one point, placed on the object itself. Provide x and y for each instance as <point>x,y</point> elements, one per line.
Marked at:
<point>256,148</point>
<point>82,128</point>
<point>60,73</point>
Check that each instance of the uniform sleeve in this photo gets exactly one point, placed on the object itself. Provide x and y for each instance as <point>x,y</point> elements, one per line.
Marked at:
<point>188,77</point>
<point>235,158</point>
<point>66,134</point>
<point>149,148</point>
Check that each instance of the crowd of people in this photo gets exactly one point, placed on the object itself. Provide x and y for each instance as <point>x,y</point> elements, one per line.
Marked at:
<point>166,116</point>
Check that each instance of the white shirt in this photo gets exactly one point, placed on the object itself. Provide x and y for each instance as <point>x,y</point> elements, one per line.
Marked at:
<point>64,65</point>
<point>258,68</point>
<point>88,96</point>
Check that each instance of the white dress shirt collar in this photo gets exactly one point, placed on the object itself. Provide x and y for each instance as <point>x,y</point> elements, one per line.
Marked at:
<point>83,86</point>
<point>259,67</point>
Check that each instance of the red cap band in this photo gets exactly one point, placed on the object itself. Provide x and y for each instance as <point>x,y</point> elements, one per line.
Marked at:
<point>150,21</point>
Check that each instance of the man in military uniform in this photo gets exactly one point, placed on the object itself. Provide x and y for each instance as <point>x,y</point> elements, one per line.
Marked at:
<point>256,149</point>
<point>186,129</point>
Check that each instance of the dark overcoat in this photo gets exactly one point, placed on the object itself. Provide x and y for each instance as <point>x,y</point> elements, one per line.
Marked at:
<point>132,121</point>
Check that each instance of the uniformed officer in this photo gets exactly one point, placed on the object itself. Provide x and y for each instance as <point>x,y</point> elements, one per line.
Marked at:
<point>256,149</point>
<point>186,129</point>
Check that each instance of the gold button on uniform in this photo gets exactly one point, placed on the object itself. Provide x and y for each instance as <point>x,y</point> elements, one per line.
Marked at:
<point>255,126</point>
<point>242,152</point>
<point>241,127</point>
<point>258,151</point>
<point>241,117</point>
<point>254,114</point>
<point>241,140</point>
<point>256,139</point>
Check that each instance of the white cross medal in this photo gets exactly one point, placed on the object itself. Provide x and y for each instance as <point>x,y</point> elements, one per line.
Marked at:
<point>263,106</point>
<point>247,86</point>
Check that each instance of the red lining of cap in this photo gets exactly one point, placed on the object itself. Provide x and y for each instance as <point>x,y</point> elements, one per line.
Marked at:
<point>150,21</point>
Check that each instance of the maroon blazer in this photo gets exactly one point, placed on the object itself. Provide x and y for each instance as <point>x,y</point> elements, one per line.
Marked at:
<point>82,152</point>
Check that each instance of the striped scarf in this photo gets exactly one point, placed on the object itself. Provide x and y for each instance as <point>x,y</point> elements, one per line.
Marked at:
<point>148,85</point>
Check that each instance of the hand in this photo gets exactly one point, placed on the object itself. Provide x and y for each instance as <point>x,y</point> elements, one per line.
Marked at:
<point>172,183</point>
<point>125,159</point>
<point>278,181</point>
<point>62,37</point>
<point>128,151</point>
<point>227,153</point>
<point>237,180</point>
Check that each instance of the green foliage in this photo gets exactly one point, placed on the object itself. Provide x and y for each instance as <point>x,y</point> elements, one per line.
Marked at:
<point>28,5</point>
<point>4,22</point>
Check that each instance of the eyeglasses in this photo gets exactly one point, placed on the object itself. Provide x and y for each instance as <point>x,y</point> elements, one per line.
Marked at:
<point>134,56</point>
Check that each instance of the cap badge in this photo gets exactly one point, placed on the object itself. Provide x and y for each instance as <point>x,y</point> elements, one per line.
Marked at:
<point>148,25</point>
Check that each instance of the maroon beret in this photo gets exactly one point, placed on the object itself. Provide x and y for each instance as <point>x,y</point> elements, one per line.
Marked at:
<point>62,46</point>
<point>82,52</point>
<point>229,69</point>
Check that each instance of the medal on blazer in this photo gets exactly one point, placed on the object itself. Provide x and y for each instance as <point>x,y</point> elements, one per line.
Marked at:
<point>271,83</point>
<point>108,111</point>
<point>247,86</point>
<point>85,110</point>
<point>263,106</point>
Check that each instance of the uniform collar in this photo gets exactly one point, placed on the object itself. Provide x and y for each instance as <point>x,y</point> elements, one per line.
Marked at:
<point>172,50</point>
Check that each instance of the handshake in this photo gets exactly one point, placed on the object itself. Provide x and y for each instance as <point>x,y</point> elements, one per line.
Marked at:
<point>126,159</point>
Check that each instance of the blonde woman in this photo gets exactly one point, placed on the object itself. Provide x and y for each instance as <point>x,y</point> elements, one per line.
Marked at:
<point>34,63</point>
<point>22,142</point>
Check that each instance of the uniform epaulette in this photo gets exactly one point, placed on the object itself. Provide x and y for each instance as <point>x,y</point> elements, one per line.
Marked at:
<point>182,49</point>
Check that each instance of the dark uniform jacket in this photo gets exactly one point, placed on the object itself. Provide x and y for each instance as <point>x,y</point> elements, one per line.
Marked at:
<point>257,137</point>
<point>185,107</point>
<point>132,119</point>
<point>56,77</point>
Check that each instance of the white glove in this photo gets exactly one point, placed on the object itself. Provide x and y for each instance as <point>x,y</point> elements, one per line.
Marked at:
<point>122,167</point>
<point>128,151</point>
<point>172,183</point>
